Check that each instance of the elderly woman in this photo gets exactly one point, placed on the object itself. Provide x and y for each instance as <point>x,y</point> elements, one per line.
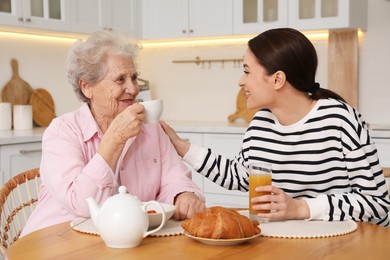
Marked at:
<point>103,144</point>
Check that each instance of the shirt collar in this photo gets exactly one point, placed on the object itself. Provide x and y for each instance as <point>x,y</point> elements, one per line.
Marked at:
<point>88,123</point>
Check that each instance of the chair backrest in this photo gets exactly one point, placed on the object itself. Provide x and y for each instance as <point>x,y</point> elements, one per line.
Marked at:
<point>17,200</point>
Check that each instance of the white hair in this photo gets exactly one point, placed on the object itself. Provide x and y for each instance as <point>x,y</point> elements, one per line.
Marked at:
<point>87,59</point>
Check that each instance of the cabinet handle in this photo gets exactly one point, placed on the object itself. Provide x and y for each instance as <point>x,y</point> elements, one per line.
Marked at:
<point>20,19</point>
<point>191,31</point>
<point>30,151</point>
<point>184,31</point>
<point>28,20</point>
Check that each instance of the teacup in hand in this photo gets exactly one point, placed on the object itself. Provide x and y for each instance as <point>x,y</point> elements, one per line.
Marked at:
<point>153,110</point>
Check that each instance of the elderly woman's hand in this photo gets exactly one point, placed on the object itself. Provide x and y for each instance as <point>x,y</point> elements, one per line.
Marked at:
<point>128,123</point>
<point>187,205</point>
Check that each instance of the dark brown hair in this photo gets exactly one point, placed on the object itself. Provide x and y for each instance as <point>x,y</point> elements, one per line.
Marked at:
<point>288,50</point>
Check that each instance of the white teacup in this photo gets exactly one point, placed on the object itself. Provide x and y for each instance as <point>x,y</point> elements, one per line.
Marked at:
<point>153,110</point>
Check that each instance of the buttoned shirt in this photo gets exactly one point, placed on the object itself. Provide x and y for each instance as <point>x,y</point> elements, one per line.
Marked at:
<point>72,170</point>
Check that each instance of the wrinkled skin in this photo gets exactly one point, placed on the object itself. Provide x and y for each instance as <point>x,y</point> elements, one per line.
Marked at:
<point>112,101</point>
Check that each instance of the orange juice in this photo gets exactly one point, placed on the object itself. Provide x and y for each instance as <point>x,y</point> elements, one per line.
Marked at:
<point>256,180</point>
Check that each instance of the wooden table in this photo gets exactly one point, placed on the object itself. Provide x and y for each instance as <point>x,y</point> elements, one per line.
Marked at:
<point>367,242</point>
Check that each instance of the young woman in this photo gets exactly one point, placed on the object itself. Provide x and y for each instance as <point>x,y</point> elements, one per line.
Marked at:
<point>324,164</point>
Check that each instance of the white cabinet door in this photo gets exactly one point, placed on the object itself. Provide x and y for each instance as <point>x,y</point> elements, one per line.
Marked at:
<point>256,16</point>
<point>329,14</point>
<point>39,14</point>
<point>383,147</point>
<point>92,15</point>
<point>16,158</point>
<point>164,19</point>
<point>186,18</point>
<point>227,145</point>
<point>210,18</point>
<point>11,12</point>
<point>86,15</point>
<point>123,15</point>
<point>47,14</point>
<point>195,138</point>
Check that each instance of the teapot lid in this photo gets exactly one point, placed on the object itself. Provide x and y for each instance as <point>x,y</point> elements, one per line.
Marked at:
<point>122,189</point>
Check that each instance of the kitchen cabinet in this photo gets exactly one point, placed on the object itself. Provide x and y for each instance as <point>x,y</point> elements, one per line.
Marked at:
<point>88,16</point>
<point>16,158</point>
<point>186,18</point>
<point>256,16</point>
<point>381,137</point>
<point>228,145</point>
<point>383,147</point>
<point>224,142</point>
<point>20,150</point>
<point>196,138</point>
<point>51,15</point>
<point>327,14</point>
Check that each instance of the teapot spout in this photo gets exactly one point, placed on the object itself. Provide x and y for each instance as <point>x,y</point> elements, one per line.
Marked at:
<point>93,209</point>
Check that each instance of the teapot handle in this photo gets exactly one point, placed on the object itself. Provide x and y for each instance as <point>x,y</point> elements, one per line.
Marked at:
<point>162,214</point>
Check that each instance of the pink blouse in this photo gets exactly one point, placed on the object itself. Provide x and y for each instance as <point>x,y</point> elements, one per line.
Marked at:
<point>72,170</point>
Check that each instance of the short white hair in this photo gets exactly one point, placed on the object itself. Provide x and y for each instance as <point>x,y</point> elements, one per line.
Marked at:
<point>87,59</point>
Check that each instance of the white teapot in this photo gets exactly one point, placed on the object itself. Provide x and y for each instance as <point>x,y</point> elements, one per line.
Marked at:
<point>122,221</point>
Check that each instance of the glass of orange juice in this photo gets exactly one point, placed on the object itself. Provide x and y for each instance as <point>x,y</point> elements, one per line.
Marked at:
<point>260,174</point>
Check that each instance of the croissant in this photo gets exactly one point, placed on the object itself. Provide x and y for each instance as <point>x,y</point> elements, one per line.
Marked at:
<point>221,223</point>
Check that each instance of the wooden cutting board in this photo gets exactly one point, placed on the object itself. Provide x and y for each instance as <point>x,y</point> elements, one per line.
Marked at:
<point>241,110</point>
<point>16,91</point>
<point>42,106</point>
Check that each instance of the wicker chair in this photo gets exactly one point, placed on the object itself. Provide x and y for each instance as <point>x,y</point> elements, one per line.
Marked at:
<point>17,200</point>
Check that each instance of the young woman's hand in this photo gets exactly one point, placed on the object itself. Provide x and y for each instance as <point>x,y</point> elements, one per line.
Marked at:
<point>282,206</point>
<point>181,145</point>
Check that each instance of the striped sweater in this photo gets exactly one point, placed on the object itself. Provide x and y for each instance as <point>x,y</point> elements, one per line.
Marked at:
<point>326,158</point>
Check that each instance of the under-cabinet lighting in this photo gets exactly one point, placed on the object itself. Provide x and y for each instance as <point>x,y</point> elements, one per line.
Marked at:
<point>28,36</point>
<point>197,41</point>
<point>220,41</point>
<point>228,40</point>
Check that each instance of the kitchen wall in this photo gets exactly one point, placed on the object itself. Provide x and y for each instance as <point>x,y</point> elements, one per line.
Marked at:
<point>195,92</point>
<point>374,81</point>
<point>204,92</point>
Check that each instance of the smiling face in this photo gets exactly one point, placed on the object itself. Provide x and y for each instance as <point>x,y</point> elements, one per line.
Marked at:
<point>258,85</point>
<point>117,90</point>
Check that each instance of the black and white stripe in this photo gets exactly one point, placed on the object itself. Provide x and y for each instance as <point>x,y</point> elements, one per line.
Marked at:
<point>327,152</point>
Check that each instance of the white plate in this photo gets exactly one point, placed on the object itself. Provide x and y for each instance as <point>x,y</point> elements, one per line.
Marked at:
<point>221,242</point>
<point>155,218</point>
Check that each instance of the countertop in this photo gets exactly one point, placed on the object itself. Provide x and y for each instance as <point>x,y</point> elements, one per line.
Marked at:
<point>35,134</point>
<point>21,136</point>
<point>209,127</point>
<point>380,131</point>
